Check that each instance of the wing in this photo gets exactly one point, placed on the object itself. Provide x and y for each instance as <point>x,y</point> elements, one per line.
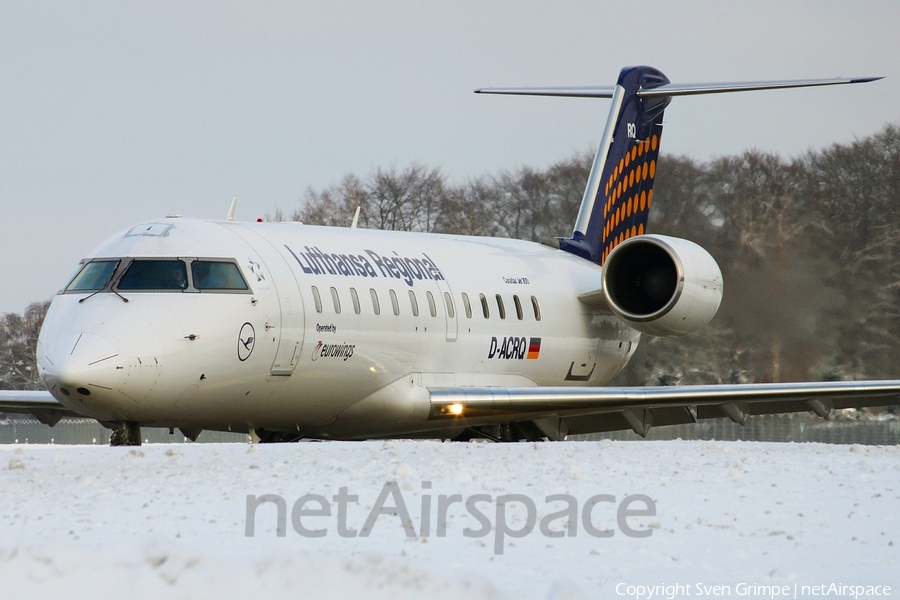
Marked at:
<point>40,404</point>
<point>558,411</point>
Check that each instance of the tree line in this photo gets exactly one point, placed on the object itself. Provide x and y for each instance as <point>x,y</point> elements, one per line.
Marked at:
<point>809,248</point>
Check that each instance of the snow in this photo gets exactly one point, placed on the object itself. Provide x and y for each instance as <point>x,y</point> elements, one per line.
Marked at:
<point>83,521</point>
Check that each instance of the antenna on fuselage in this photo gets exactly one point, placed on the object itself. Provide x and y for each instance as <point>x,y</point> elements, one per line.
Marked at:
<point>355,218</point>
<point>231,210</point>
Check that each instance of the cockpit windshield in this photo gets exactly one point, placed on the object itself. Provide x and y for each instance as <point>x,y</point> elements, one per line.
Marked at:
<point>217,275</point>
<point>93,276</point>
<point>154,275</point>
<point>184,274</point>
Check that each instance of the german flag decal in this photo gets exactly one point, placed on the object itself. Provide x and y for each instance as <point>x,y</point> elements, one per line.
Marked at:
<point>534,348</point>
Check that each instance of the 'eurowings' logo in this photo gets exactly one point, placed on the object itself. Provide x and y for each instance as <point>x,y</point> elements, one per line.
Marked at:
<point>323,350</point>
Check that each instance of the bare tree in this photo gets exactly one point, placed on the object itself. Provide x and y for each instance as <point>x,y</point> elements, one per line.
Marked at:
<point>18,348</point>
<point>406,200</point>
<point>468,209</point>
<point>334,206</point>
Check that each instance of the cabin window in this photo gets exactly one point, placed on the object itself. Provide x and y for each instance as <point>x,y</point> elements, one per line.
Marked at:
<point>375,306</point>
<point>93,276</point>
<point>467,305</point>
<point>317,299</point>
<point>155,275</point>
<point>537,308</point>
<point>354,297</point>
<point>217,275</point>
<point>395,304</point>
<point>518,308</point>
<point>413,303</point>
<point>432,308</point>
<point>337,301</point>
<point>449,302</point>
<point>500,306</point>
<point>484,307</point>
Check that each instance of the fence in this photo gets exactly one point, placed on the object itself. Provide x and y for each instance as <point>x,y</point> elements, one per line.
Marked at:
<point>88,431</point>
<point>872,430</point>
<point>881,429</point>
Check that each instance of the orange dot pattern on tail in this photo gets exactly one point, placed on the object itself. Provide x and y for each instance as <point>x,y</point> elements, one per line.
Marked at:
<point>628,194</point>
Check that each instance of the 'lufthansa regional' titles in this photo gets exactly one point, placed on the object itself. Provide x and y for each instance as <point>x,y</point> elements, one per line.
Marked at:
<point>315,262</point>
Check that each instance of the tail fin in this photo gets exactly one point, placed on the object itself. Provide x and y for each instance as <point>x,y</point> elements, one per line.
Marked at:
<point>619,191</point>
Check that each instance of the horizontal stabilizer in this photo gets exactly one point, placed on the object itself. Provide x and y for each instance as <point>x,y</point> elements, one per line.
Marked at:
<point>617,198</point>
<point>676,89</point>
<point>572,92</point>
<point>691,89</point>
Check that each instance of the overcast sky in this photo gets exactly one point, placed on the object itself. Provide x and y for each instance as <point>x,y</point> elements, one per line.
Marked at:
<point>113,113</point>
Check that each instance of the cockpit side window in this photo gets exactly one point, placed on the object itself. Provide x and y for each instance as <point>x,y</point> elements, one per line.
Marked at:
<point>217,275</point>
<point>93,276</point>
<point>154,275</point>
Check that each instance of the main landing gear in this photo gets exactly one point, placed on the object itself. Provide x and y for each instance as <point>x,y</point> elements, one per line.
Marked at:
<point>261,436</point>
<point>504,432</point>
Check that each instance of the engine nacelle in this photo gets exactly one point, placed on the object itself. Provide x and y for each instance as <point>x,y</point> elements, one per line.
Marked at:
<point>662,285</point>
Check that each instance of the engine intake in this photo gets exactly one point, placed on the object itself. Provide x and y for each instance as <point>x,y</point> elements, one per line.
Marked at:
<point>662,285</point>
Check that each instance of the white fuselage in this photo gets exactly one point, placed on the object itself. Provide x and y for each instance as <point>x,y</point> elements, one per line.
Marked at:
<point>333,367</point>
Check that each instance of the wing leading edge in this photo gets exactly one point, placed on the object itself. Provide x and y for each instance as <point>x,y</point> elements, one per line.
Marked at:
<point>590,410</point>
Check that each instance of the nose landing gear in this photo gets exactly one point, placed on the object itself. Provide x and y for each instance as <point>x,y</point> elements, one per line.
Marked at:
<point>125,433</point>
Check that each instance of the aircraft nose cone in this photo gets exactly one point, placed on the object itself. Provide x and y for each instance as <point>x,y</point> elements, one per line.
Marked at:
<point>79,366</point>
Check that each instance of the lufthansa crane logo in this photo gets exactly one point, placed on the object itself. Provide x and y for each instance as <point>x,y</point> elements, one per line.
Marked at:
<point>246,342</point>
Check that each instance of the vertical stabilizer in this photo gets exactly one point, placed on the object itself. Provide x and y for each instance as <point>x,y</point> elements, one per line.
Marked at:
<point>619,191</point>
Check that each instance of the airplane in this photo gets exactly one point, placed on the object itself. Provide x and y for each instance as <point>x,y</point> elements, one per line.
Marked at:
<point>289,331</point>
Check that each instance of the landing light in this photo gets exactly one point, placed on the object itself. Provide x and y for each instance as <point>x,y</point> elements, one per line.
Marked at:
<point>455,409</point>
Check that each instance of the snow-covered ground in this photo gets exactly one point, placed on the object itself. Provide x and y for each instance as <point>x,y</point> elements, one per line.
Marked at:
<point>171,520</point>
